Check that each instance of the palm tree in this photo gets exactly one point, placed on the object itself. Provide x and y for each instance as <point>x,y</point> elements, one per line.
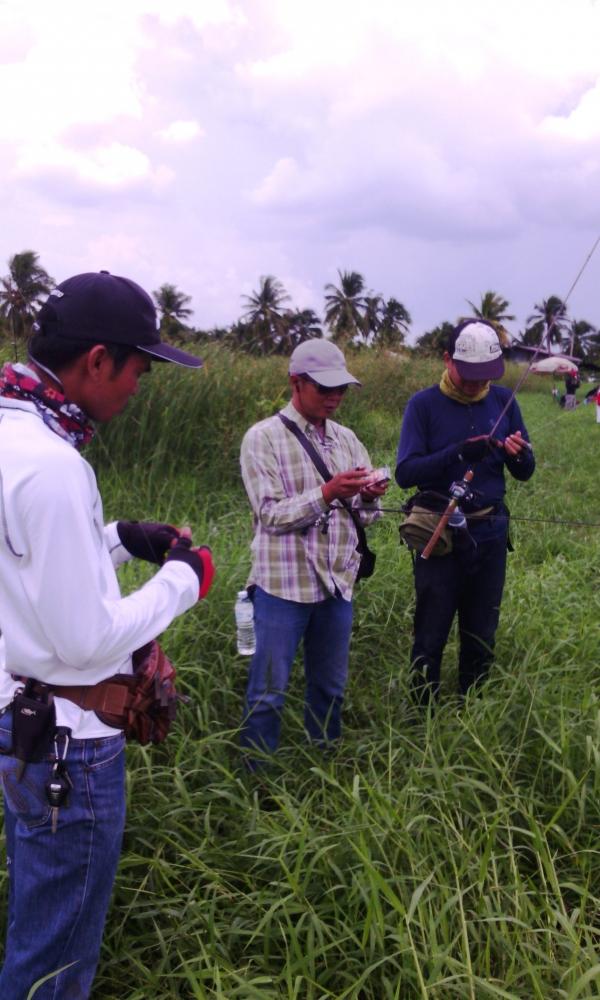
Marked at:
<point>344,309</point>
<point>579,338</point>
<point>301,325</point>
<point>393,327</point>
<point>533,335</point>
<point>264,314</point>
<point>22,291</point>
<point>172,303</point>
<point>434,342</point>
<point>552,314</point>
<point>173,308</point>
<point>493,308</point>
<point>371,318</point>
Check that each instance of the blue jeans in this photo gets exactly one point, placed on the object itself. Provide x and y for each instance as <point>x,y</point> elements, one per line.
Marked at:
<point>470,586</point>
<point>60,883</point>
<point>280,625</point>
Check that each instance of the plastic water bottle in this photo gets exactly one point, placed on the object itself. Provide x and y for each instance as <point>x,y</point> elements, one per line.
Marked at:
<point>244,622</point>
<point>457,519</point>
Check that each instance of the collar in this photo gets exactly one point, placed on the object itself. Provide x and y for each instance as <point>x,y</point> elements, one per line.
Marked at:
<point>305,425</point>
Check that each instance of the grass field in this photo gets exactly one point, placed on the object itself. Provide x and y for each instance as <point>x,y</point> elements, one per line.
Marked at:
<point>430,857</point>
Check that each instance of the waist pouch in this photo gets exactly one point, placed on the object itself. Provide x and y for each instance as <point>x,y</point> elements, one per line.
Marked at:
<point>423,512</point>
<point>142,704</point>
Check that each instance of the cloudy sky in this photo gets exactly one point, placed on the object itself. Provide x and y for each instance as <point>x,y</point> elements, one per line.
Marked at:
<point>439,147</point>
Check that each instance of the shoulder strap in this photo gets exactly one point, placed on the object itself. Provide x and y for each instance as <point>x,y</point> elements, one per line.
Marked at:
<point>319,464</point>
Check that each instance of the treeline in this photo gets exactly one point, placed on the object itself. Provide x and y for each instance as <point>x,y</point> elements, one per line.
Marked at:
<point>353,315</point>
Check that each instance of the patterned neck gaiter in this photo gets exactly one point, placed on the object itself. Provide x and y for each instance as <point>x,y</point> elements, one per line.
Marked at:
<point>64,418</point>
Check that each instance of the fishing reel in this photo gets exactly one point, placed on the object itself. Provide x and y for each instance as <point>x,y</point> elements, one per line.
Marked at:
<point>461,491</point>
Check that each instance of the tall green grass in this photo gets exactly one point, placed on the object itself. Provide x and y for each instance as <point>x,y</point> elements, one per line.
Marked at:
<point>453,855</point>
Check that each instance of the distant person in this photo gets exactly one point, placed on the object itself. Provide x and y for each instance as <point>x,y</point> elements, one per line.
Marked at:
<point>445,432</point>
<point>572,383</point>
<point>598,406</point>
<point>66,628</point>
<point>304,556</point>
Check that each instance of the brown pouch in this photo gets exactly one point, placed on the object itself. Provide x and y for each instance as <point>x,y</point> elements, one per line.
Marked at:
<point>142,704</point>
<point>418,527</point>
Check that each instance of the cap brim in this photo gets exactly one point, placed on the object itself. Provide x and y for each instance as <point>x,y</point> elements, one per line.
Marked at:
<point>332,377</point>
<point>484,370</point>
<point>166,352</point>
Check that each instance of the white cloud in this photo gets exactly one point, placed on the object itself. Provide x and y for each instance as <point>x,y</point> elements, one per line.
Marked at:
<point>112,166</point>
<point>181,131</point>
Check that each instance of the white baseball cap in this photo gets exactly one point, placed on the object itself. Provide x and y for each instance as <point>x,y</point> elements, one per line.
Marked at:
<point>477,352</point>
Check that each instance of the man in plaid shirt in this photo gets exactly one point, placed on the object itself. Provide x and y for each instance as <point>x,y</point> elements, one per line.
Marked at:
<point>304,558</point>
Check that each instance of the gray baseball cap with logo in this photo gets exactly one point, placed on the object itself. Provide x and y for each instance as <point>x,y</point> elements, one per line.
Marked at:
<point>323,362</point>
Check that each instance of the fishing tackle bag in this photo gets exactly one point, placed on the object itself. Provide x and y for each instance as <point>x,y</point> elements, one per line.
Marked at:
<point>142,704</point>
<point>423,512</point>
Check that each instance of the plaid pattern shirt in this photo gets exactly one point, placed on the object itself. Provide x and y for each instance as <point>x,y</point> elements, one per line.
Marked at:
<point>292,556</point>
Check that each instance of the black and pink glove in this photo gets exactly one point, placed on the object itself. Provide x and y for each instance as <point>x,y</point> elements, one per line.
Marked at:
<point>200,560</point>
<point>147,540</point>
<point>476,448</point>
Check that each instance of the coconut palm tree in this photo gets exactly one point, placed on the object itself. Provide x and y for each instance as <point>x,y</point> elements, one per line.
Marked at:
<point>371,317</point>
<point>434,342</point>
<point>345,306</point>
<point>393,326</point>
<point>22,291</point>
<point>578,338</point>
<point>493,308</point>
<point>172,305</point>
<point>264,314</point>
<point>301,325</point>
<point>552,314</point>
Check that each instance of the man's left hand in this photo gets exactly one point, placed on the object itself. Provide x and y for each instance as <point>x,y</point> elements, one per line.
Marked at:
<point>374,490</point>
<point>514,444</point>
<point>147,540</point>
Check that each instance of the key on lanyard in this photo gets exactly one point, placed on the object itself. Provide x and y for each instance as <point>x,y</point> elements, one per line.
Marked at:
<point>59,784</point>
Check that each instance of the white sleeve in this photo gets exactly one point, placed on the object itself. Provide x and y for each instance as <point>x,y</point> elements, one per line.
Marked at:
<point>70,582</point>
<point>118,552</point>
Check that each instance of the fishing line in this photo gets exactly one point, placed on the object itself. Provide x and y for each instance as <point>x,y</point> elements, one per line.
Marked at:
<point>546,337</point>
<point>496,517</point>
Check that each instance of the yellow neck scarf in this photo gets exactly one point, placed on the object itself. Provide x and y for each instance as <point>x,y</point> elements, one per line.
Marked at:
<point>449,389</point>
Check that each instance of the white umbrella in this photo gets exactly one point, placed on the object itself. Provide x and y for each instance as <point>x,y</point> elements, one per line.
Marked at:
<point>555,365</point>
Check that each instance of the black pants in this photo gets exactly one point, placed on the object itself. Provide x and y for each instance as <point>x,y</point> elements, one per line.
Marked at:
<point>470,584</point>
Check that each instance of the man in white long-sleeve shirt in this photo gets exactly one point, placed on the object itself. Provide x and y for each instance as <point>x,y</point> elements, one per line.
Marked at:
<point>64,622</point>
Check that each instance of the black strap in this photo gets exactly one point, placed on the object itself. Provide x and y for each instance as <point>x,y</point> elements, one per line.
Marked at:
<point>313,454</point>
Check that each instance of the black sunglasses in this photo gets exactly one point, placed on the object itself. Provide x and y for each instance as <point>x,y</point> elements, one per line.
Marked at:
<point>325,390</point>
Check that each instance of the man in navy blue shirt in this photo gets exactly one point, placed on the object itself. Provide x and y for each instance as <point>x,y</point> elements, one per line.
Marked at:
<point>447,430</point>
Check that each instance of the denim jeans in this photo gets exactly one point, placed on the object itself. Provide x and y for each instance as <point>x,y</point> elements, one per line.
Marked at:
<point>280,625</point>
<point>471,586</point>
<point>60,883</point>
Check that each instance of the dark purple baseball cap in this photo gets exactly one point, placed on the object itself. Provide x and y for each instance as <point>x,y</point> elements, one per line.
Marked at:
<point>105,308</point>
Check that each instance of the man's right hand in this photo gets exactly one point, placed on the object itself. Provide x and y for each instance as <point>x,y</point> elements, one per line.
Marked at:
<point>476,448</point>
<point>200,560</point>
<point>344,485</point>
